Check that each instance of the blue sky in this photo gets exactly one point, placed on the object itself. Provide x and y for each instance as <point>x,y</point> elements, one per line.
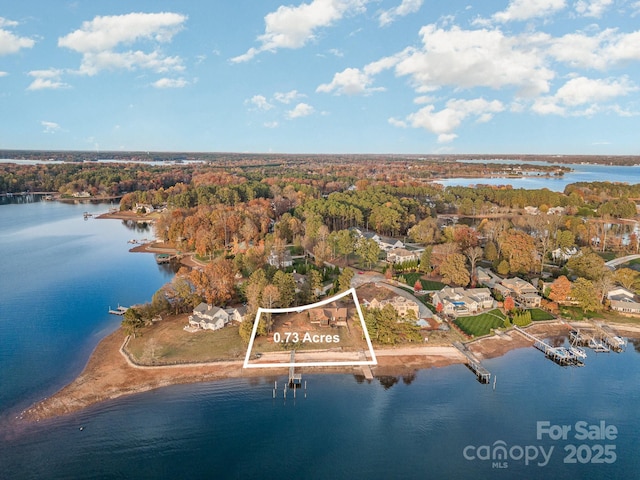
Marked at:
<point>321,76</point>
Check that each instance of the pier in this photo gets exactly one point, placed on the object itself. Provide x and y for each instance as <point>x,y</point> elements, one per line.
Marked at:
<point>602,339</point>
<point>481,373</point>
<point>295,379</point>
<point>118,311</point>
<point>560,355</point>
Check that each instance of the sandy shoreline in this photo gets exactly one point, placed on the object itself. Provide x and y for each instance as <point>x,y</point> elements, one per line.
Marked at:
<point>109,374</point>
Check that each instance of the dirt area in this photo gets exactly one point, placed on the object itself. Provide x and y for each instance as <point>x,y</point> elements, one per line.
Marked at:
<point>109,374</point>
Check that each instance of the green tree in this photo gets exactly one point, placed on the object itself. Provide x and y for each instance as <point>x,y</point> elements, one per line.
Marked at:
<point>132,321</point>
<point>344,280</point>
<point>368,250</point>
<point>584,292</point>
<point>287,286</point>
<point>425,260</point>
<point>491,251</point>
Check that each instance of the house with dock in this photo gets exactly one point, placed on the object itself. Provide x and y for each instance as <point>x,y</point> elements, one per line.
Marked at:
<point>524,293</point>
<point>463,301</point>
<point>624,301</point>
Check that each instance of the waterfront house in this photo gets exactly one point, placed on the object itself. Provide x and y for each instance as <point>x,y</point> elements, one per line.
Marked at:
<point>208,317</point>
<point>463,301</point>
<point>522,292</point>
<point>332,314</point>
<point>624,301</point>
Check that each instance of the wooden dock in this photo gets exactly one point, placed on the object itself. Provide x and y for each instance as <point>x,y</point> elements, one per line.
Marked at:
<point>481,373</point>
<point>559,355</point>
<point>118,311</point>
<point>295,379</point>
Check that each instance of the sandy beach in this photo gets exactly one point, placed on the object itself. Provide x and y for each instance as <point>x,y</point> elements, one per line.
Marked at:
<point>109,373</point>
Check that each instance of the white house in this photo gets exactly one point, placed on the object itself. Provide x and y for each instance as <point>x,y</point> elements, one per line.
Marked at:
<point>461,301</point>
<point>208,317</point>
<point>401,304</point>
<point>281,261</point>
<point>564,254</point>
<point>400,255</point>
<point>623,301</point>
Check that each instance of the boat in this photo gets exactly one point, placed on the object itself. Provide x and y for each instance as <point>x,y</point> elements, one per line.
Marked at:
<point>578,352</point>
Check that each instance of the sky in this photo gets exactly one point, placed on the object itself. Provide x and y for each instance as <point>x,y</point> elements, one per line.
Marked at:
<point>321,76</point>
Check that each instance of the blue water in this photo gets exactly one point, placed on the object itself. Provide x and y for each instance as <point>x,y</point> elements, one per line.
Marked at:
<point>580,173</point>
<point>61,273</point>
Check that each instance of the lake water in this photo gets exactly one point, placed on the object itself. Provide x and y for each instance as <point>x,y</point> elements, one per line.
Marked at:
<point>580,173</point>
<point>60,275</point>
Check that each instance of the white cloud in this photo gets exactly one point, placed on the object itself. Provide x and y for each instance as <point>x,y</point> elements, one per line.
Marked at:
<point>98,39</point>
<point>444,122</point>
<point>476,58</point>
<point>294,26</point>
<point>519,10</point>
<point>405,8</point>
<point>9,42</point>
<point>592,8</point>
<point>582,91</point>
<point>170,83</point>
<point>351,81</point>
<point>50,127</point>
<point>260,102</point>
<point>3,74</point>
<point>288,97</point>
<point>600,51</point>
<point>273,124</point>
<point>300,110</point>
<point>46,80</point>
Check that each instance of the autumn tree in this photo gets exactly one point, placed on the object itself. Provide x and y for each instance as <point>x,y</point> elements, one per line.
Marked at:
<point>270,299</point>
<point>519,249</point>
<point>509,304</point>
<point>417,286</point>
<point>560,289</point>
<point>587,264</point>
<point>425,231</point>
<point>628,278</point>
<point>454,269</point>
<point>473,254</point>
<point>321,253</point>
<point>253,290</point>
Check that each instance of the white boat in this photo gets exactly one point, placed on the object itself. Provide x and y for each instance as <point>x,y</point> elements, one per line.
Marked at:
<point>578,352</point>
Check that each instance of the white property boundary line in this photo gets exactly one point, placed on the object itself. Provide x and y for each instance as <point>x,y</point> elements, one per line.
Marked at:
<point>352,292</point>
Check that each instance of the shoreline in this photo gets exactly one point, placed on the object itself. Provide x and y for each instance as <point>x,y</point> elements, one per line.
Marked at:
<point>109,374</point>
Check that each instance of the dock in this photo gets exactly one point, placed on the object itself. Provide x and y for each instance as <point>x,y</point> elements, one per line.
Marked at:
<point>481,373</point>
<point>602,339</point>
<point>560,355</point>
<point>118,311</point>
<point>295,379</point>
<point>366,369</point>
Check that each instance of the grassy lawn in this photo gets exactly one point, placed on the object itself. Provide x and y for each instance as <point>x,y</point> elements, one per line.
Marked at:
<point>576,313</point>
<point>482,324</point>
<point>167,343</point>
<point>426,284</point>
<point>538,315</point>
